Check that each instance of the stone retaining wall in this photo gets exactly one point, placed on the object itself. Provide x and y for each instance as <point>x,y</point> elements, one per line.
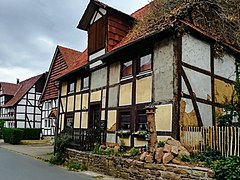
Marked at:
<point>132,169</point>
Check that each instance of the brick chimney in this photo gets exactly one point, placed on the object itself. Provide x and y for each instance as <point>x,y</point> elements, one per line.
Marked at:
<point>18,80</point>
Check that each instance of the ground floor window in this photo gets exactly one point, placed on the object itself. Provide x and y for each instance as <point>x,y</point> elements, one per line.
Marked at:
<point>69,120</point>
<point>125,120</point>
<point>141,120</point>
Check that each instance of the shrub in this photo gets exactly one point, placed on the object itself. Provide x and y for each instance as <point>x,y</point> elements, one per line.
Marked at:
<point>161,143</point>
<point>31,133</point>
<point>228,168</point>
<point>73,167</point>
<point>60,145</point>
<point>134,152</point>
<point>1,128</point>
<point>209,156</point>
<point>186,158</point>
<point>12,135</point>
<point>57,159</point>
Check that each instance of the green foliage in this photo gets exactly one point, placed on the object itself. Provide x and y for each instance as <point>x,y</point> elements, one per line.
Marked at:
<point>96,149</point>
<point>186,158</point>
<point>228,168</point>
<point>74,167</point>
<point>12,135</point>
<point>123,133</point>
<point>106,151</point>
<point>209,156</point>
<point>57,159</point>
<point>231,117</point>
<point>122,146</point>
<point>31,133</point>
<point>134,152</point>
<point>161,143</point>
<point>1,128</point>
<point>61,143</point>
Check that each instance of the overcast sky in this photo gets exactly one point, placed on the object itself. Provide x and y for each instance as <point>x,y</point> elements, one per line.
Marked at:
<point>31,29</point>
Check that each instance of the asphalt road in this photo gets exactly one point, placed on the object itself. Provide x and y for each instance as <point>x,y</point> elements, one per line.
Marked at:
<point>15,166</point>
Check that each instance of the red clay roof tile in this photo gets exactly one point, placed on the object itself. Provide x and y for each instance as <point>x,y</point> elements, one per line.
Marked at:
<point>62,60</point>
<point>24,87</point>
<point>9,88</point>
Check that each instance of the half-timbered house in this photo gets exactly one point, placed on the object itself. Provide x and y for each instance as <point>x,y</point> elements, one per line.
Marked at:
<point>19,106</point>
<point>61,59</point>
<point>104,93</point>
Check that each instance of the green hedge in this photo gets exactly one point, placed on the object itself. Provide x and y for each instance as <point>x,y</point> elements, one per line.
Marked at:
<point>31,133</point>
<point>12,135</point>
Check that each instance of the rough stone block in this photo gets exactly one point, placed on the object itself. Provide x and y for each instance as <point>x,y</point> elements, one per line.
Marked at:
<point>167,148</point>
<point>174,150</point>
<point>159,155</point>
<point>143,156</point>
<point>170,175</point>
<point>149,158</point>
<point>173,142</point>
<point>167,157</point>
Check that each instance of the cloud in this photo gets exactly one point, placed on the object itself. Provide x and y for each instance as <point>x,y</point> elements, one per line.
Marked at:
<point>30,30</point>
<point>16,72</point>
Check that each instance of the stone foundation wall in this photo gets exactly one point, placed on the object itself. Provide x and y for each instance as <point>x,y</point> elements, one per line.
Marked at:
<point>132,169</point>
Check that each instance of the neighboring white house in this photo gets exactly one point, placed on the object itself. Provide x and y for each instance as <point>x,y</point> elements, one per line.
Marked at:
<point>19,103</point>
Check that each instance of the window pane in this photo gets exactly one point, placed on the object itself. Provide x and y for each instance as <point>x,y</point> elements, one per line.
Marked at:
<point>125,121</point>
<point>127,69</point>
<point>69,123</point>
<point>85,83</point>
<point>142,121</point>
<point>145,63</point>
<point>71,87</point>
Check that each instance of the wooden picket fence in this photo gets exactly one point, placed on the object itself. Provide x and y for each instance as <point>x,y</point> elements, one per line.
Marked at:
<point>224,139</point>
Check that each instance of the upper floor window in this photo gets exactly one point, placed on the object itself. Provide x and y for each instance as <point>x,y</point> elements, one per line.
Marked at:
<point>1,100</point>
<point>85,82</point>
<point>71,87</point>
<point>127,69</point>
<point>145,63</point>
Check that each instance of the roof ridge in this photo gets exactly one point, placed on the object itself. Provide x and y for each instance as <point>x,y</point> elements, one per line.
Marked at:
<point>68,48</point>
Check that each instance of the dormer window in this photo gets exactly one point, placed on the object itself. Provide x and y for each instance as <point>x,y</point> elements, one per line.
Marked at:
<point>97,35</point>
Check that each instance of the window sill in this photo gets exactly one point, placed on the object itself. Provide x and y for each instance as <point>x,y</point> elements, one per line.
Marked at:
<point>85,89</point>
<point>144,74</point>
<point>71,92</point>
<point>126,78</point>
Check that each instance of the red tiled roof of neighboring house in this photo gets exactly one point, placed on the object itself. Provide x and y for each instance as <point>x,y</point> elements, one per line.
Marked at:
<point>24,87</point>
<point>74,65</point>
<point>62,59</point>
<point>69,55</point>
<point>53,113</point>
<point>9,88</point>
